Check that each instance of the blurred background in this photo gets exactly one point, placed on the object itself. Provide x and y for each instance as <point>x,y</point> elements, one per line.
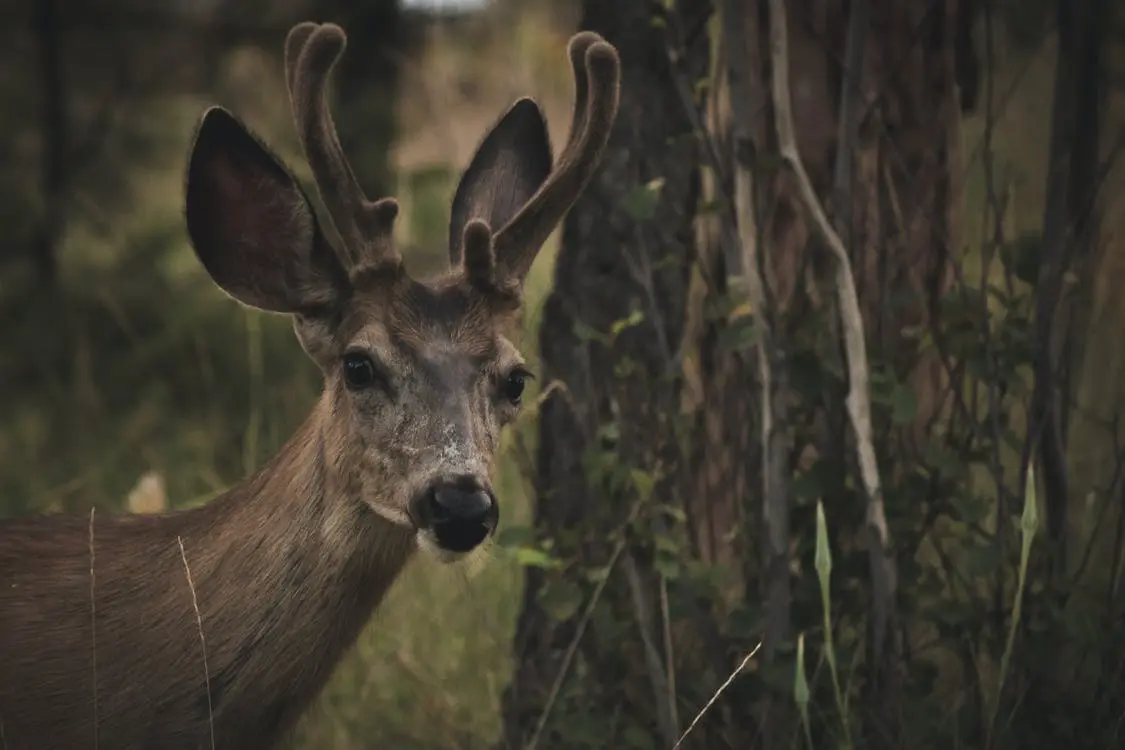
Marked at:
<point>660,492</point>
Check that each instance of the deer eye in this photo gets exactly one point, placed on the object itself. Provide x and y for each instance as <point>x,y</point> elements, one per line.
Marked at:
<point>513,384</point>
<point>359,371</point>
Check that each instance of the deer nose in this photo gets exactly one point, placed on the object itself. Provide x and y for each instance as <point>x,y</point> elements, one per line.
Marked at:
<point>461,514</point>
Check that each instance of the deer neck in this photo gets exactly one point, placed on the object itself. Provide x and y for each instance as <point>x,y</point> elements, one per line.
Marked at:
<point>288,571</point>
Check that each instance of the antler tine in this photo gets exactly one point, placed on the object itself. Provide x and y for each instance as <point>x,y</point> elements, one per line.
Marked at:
<point>597,77</point>
<point>295,42</point>
<point>366,227</point>
<point>479,259</point>
<point>576,51</point>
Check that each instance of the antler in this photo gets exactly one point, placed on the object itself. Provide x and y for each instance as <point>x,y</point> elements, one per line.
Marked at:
<point>366,227</point>
<point>597,83</point>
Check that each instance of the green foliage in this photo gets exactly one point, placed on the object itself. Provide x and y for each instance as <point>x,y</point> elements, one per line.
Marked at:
<point>640,204</point>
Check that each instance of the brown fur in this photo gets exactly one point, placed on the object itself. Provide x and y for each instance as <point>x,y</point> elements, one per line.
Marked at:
<point>224,622</point>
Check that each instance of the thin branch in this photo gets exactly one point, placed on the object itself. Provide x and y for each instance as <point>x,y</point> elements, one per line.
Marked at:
<point>583,622</point>
<point>93,631</point>
<point>202,640</point>
<point>771,373</point>
<point>669,652</point>
<point>642,609</point>
<point>707,707</point>
<point>858,399</point>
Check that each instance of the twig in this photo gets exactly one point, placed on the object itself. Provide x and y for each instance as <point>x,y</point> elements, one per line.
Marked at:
<point>202,641</point>
<point>93,634</point>
<point>858,401</point>
<point>772,373</point>
<point>657,677</point>
<point>669,652</point>
<point>715,697</point>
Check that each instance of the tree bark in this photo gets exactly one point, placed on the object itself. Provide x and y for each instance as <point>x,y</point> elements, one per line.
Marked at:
<point>616,395</point>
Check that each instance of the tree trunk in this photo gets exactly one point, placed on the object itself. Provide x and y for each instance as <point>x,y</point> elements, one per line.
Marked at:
<point>881,152</point>
<point>610,337</point>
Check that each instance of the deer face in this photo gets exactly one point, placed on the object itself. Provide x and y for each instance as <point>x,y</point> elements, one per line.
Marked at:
<point>420,376</point>
<point>423,379</point>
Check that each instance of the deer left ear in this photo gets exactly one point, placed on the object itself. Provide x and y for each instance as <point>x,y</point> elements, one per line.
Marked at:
<point>251,225</point>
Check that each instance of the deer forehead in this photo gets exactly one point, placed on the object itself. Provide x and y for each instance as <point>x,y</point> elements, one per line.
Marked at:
<point>432,326</point>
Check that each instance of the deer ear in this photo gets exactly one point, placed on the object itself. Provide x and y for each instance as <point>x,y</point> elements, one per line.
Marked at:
<point>510,164</point>
<point>251,225</point>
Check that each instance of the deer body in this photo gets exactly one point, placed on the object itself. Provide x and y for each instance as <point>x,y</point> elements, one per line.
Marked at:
<point>218,626</point>
<point>283,584</point>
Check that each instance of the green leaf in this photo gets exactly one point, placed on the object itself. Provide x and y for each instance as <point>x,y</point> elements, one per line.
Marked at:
<point>673,512</point>
<point>1029,519</point>
<point>618,326</point>
<point>642,482</point>
<point>586,333</point>
<point>667,565</point>
<point>823,557</point>
<point>641,202</point>
<point>666,544</point>
<point>800,682</point>
<point>531,557</point>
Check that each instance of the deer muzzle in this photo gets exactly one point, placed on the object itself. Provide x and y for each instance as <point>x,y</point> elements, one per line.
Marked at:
<point>459,513</point>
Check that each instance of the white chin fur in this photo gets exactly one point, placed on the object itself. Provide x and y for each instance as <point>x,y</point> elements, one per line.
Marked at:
<point>427,544</point>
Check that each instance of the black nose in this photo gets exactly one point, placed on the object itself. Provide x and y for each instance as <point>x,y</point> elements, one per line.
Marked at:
<point>461,514</point>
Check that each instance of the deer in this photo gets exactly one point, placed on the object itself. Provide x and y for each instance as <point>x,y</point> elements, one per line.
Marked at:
<point>217,626</point>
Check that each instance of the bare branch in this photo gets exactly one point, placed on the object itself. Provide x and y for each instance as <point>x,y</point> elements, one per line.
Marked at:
<point>858,400</point>
<point>771,367</point>
<point>202,640</point>
<point>642,610</point>
<point>93,628</point>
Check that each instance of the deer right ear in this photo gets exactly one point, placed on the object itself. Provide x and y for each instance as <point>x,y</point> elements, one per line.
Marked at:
<point>510,164</point>
<point>251,225</point>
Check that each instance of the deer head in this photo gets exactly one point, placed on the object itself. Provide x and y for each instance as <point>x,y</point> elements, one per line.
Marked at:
<point>420,375</point>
